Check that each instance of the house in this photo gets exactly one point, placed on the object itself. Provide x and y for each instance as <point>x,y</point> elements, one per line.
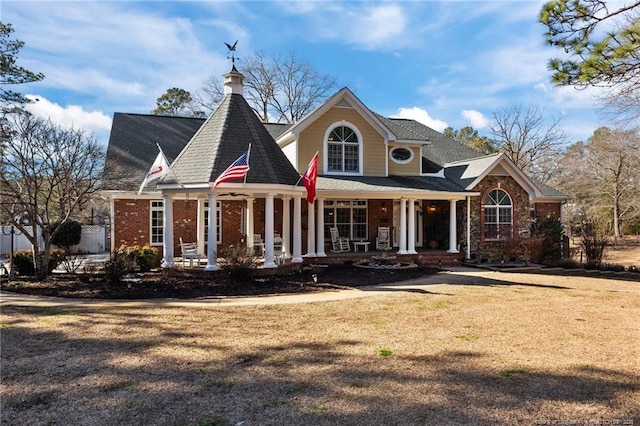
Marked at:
<point>373,171</point>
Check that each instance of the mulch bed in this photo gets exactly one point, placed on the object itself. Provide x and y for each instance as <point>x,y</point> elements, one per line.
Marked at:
<point>183,284</point>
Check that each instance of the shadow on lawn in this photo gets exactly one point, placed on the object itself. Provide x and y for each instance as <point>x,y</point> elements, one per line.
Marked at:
<point>172,376</point>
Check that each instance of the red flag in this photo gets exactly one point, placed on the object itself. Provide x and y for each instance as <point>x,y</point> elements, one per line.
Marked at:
<point>309,179</point>
<point>238,169</point>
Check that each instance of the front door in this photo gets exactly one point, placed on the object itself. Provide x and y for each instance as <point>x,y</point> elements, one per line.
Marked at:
<point>419,223</point>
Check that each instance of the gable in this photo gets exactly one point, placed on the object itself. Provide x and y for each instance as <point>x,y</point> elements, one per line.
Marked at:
<point>313,138</point>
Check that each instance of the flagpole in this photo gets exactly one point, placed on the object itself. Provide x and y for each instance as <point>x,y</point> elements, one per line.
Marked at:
<point>305,170</point>
<point>248,155</point>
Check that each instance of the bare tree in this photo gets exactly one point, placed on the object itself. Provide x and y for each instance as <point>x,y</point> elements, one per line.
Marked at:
<point>280,88</point>
<point>613,156</point>
<point>523,134</point>
<point>46,173</point>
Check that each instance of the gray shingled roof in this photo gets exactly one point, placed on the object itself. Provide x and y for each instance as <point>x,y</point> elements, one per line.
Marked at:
<point>132,146</point>
<point>277,129</point>
<point>225,135</point>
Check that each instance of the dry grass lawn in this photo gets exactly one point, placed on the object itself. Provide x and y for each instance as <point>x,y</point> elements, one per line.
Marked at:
<point>491,348</point>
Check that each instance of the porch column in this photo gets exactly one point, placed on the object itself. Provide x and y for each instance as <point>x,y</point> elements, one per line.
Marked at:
<point>311,230</point>
<point>468,228</point>
<point>286,227</point>
<point>320,234</point>
<point>268,232</point>
<point>167,240</point>
<point>411,249</point>
<point>402,242</point>
<point>453,231</point>
<point>200,225</point>
<point>212,235</point>
<point>297,230</point>
<point>249,224</point>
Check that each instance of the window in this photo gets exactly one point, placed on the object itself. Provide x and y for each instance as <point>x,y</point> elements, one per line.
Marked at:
<point>401,155</point>
<point>498,215</point>
<point>343,150</point>
<point>218,222</point>
<point>157,222</point>
<point>349,216</point>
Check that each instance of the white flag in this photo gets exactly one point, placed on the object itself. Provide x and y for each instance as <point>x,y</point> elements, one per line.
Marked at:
<point>159,168</point>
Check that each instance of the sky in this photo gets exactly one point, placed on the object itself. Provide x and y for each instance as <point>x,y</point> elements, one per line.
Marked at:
<point>443,63</point>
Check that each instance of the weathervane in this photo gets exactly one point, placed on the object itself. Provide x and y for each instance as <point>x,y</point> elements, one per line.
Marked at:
<point>232,50</point>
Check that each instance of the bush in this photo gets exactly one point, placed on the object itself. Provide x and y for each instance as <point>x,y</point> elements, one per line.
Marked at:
<point>118,265</point>
<point>69,234</point>
<point>593,243</point>
<point>549,230</point>
<point>239,263</point>
<point>23,261</point>
<point>144,258</point>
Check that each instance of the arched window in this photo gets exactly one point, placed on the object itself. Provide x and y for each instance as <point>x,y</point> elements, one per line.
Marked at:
<point>343,150</point>
<point>498,215</point>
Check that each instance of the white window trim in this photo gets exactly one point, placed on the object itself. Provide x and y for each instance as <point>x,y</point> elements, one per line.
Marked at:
<point>152,209</point>
<point>326,149</point>
<point>218,218</point>
<point>395,160</point>
<point>497,207</point>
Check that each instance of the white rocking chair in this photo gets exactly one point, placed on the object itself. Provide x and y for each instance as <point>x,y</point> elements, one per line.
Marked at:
<point>339,244</point>
<point>382,240</point>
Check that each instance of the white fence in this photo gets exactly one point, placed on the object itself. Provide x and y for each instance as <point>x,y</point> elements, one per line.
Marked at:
<point>92,240</point>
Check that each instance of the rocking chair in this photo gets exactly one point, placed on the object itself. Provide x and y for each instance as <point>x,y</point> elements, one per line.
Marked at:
<point>382,240</point>
<point>340,244</point>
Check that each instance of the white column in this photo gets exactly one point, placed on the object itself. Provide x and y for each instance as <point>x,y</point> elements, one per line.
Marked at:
<point>311,230</point>
<point>320,234</point>
<point>297,230</point>
<point>453,231</point>
<point>212,236</point>
<point>411,249</point>
<point>249,218</point>
<point>200,225</point>
<point>468,228</point>
<point>167,237</point>
<point>402,243</point>
<point>286,227</point>
<point>268,232</point>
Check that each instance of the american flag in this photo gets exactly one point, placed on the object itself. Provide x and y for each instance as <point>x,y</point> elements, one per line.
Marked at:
<point>237,170</point>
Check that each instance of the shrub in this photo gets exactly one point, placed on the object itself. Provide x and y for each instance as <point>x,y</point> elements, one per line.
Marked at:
<point>239,263</point>
<point>549,229</point>
<point>593,243</point>
<point>23,261</point>
<point>144,258</point>
<point>118,265</point>
<point>69,234</point>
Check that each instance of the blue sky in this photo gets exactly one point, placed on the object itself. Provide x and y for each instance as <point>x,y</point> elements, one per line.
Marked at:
<point>444,63</point>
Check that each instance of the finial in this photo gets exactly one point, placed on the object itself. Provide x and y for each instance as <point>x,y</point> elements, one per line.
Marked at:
<point>232,50</point>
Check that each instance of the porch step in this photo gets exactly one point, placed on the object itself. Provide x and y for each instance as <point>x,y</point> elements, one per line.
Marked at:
<point>435,259</point>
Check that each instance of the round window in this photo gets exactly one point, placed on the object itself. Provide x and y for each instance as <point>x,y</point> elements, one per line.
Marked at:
<point>401,155</point>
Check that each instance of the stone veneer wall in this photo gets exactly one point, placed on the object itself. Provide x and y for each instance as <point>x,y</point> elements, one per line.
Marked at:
<point>494,250</point>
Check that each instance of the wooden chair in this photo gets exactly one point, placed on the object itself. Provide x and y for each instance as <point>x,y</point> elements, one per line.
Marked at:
<point>189,251</point>
<point>339,244</point>
<point>258,244</point>
<point>382,240</point>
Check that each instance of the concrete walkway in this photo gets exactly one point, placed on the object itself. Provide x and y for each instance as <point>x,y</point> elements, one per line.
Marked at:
<point>455,276</point>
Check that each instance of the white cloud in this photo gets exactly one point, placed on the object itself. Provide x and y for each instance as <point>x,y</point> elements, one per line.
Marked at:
<point>421,116</point>
<point>475,118</point>
<point>381,26</point>
<point>70,115</point>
